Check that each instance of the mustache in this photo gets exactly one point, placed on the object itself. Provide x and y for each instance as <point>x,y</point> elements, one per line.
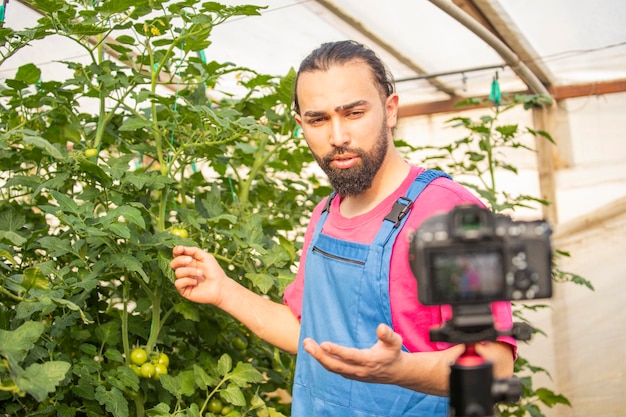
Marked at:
<point>340,151</point>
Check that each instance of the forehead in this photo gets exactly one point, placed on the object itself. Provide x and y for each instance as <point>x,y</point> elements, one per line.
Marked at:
<point>339,84</point>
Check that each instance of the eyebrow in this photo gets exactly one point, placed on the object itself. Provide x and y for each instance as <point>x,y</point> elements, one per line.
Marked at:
<point>351,105</point>
<point>343,107</point>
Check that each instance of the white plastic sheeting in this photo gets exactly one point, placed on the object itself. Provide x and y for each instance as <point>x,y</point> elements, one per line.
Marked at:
<point>572,42</point>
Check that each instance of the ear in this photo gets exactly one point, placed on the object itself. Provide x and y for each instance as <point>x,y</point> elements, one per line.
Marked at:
<point>298,120</point>
<point>391,108</point>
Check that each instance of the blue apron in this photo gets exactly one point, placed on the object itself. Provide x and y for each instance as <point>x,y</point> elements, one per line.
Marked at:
<point>346,296</point>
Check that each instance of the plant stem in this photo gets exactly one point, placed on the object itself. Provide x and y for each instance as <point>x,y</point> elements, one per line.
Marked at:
<point>139,408</point>
<point>259,161</point>
<point>491,162</point>
<point>125,341</point>
<point>163,209</point>
<point>11,295</point>
<point>155,69</point>
<point>102,99</point>
<point>155,324</point>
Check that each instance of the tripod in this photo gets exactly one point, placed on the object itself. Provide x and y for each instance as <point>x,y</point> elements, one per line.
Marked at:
<point>473,390</point>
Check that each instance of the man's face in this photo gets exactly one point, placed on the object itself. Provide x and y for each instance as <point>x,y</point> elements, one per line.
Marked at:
<point>359,176</point>
<point>346,123</point>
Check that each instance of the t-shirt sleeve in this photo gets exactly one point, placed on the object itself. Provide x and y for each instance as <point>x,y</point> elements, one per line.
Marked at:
<point>503,320</point>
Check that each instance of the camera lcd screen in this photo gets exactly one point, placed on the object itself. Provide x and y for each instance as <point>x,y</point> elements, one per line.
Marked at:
<point>467,277</point>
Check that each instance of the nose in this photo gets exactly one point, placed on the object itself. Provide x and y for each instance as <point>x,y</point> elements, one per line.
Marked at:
<point>339,136</point>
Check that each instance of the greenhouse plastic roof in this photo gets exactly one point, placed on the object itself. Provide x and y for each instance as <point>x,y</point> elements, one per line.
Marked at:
<point>438,50</point>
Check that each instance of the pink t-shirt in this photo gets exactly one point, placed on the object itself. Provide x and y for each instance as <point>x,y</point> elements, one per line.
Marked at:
<point>410,318</point>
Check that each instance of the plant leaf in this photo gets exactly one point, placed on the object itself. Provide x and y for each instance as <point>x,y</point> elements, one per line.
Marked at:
<point>224,364</point>
<point>44,145</point>
<point>28,73</point>
<point>15,344</point>
<point>113,401</point>
<point>233,395</point>
<point>40,379</point>
<point>180,385</point>
<point>244,373</point>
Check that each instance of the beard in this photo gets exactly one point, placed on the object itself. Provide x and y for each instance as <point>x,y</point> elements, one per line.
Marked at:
<point>357,179</point>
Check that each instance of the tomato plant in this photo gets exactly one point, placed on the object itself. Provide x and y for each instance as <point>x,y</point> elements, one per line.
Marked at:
<point>85,241</point>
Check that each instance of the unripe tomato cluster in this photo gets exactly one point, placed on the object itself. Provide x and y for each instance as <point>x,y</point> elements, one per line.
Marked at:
<point>149,369</point>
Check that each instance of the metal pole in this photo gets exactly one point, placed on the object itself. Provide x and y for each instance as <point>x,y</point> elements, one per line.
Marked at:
<point>512,60</point>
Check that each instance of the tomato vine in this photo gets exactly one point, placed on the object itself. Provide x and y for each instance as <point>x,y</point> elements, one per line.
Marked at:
<point>85,243</point>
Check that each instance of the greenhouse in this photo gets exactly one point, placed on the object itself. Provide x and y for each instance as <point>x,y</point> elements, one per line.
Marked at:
<point>131,128</point>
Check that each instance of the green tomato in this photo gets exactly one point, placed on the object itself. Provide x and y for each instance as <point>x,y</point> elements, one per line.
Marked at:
<point>135,369</point>
<point>159,369</point>
<point>163,359</point>
<point>227,409</point>
<point>138,356</point>
<point>147,370</point>
<point>91,152</point>
<point>180,232</point>
<point>240,343</point>
<point>215,405</point>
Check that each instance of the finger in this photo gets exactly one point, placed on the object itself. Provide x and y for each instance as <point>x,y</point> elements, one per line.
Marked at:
<point>187,250</point>
<point>183,284</point>
<point>195,253</point>
<point>316,350</point>
<point>181,261</point>
<point>338,351</point>
<point>342,359</point>
<point>388,337</point>
<point>188,272</point>
<point>182,250</point>
<point>310,345</point>
<point>325,358</point>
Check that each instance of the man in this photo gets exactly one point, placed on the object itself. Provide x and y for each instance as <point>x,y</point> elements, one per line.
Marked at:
<point>352,313</point>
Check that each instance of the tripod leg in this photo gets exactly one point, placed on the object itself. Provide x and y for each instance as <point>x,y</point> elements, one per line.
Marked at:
<point>471,379</point>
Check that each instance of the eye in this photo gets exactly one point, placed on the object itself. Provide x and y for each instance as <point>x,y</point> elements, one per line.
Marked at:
<point>316,121</point>
<point>355,114</point>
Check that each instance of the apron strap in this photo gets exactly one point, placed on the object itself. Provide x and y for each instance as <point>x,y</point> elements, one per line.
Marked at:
<point>329,200</point>
<point>403,205</point>
<point>400,208</point>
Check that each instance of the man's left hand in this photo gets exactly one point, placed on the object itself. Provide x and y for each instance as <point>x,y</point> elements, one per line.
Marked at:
<point>376,364</point>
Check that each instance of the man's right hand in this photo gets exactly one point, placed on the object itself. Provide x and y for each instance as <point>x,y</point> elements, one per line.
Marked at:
<point>199,277</point>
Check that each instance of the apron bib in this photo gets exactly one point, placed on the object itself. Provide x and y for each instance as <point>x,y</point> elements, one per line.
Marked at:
<point>346,296</point>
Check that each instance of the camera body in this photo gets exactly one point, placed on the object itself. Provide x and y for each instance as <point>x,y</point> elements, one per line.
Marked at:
<point>473,256</point>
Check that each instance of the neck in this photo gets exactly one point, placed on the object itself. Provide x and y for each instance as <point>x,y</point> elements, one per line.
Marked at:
<point>391,174</point>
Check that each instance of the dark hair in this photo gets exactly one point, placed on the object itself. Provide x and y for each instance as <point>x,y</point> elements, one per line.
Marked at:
<point>343,52</point>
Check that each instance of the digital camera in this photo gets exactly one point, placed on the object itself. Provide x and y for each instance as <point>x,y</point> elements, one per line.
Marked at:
<point>471,256</point>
